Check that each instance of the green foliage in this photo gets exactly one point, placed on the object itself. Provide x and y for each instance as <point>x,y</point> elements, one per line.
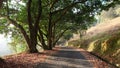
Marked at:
<point>74,43</point>
<point>18,44</point>
<point>3,26</point>
<point>68,35</point>
<point>59,16</point>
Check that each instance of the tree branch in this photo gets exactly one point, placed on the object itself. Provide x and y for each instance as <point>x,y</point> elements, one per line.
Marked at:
<point>21,29</point>
<point>54,2</point>
<point>59,36</point>
<point>69,6</point>
<point>41,38</point>
<point>17,25</point>
<point>29,14</point>
<point>1,2</point>
<point>59,17</point>
<point>40,45</point>
<point>39,14</point>
<point>65,10</point>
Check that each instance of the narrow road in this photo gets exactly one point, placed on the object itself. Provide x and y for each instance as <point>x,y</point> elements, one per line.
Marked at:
<point>66,57</point>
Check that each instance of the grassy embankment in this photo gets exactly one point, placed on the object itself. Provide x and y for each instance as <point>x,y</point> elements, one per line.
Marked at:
<point>105,44</point>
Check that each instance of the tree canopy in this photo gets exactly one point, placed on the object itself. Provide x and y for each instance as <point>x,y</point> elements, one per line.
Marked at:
<point>44,22</point>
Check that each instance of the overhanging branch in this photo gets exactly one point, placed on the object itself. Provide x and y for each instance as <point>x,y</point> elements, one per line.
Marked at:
<point>69,6</point>
<point>54,2</point>
<point>64,10</point>
<point>59,36</point>
<point>59,17</point>
<point>39,14</point>
<point>19,27</point>
<point>29,14</point>
<point>41,37</point>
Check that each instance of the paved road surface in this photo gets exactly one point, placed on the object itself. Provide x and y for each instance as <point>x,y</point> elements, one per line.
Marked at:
<point>66,58</point>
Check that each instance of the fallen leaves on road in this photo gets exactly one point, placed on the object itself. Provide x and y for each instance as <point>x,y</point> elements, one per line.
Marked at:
<point>24,60</point>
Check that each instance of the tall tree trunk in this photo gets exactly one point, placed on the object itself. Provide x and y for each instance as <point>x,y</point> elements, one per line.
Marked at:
<point>33,42</point>
<point>32,48</point>
<point>50,37</point>
<point>1,2</point>
<point>33,31</point>
<point>50,32</point>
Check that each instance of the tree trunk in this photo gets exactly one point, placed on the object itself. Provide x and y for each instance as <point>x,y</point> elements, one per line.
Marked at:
<point>53,35</point>
<point>50,37</point>
<point>45,47</point>
<point>50,32</point>
<point>31,42</point>
<point>33,30</point>
<point>32,48</point>
<point>32,45</point>
<point>1,2</point>
<point>41,39</point>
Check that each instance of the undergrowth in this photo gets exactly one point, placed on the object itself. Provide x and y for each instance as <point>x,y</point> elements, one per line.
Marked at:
<point>106,46</point>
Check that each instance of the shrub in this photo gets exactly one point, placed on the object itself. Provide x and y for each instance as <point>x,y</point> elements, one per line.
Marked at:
<point>108,47</point>
<point>84,43</point>
<point>95,46</point>
<point>74,43</point>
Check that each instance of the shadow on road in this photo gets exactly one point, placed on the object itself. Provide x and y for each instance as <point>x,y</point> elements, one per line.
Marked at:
<point>65,58</point>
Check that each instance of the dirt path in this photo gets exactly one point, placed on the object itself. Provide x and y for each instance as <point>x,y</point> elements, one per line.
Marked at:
<point>66,58</point>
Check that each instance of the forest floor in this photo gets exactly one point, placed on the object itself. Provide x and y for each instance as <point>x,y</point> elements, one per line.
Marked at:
<point>59,57</point>
<point>25,60</point>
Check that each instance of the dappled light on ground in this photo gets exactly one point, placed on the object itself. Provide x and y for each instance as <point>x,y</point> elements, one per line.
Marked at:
<point>66,58</point>
<point>24,60</point>
<point>59,57</point>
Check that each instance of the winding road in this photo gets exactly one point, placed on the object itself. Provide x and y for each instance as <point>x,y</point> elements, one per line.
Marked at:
<point>66,57</point>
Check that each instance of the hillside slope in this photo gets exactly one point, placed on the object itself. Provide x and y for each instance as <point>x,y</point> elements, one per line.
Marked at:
<point>104,41</point>
<point>106,27</point>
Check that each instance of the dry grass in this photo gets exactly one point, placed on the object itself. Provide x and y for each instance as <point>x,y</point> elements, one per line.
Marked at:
<point>106,27</point>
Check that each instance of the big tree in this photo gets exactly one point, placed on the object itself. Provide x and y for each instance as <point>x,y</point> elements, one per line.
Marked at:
<point>69,12</point>
<point>29,27</point>
<point>43,22</point>
<point>1,1</point>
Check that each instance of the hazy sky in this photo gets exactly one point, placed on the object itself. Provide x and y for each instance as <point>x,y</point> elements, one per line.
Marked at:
<point>4,49</point>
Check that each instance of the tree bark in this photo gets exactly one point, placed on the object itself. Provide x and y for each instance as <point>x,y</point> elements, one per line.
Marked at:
<point>1,2</point>
<point>50,32</point>
<point>34,25</point>
<point>41,39</point>
<point>33,39</point>
<point>58,37</point>
<point>53,36</point>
